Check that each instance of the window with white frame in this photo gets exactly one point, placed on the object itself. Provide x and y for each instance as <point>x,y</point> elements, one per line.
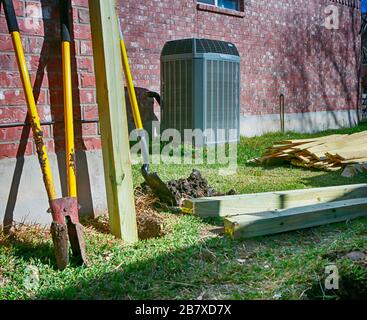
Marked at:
<point>226,4</point>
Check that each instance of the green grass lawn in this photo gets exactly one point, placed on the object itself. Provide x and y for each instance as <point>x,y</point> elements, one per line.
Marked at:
<point>192,260</point>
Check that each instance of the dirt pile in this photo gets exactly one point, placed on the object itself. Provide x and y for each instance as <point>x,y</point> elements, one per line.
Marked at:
<point>195,186</point>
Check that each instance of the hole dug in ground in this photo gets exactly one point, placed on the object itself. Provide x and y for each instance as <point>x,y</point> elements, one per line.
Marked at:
<point>352,267</point>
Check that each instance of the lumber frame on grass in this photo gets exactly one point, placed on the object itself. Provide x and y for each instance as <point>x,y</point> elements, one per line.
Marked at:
<point>249,203</point>
<point>113,119</point>
<point>272,222</point>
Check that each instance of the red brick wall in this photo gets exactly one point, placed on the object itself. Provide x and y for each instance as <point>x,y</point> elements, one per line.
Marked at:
<point>284,49</point>
<point>39,27</point>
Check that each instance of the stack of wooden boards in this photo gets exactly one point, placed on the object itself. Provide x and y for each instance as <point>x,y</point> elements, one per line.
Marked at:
<point>332,153</point>
<point>260,214</point>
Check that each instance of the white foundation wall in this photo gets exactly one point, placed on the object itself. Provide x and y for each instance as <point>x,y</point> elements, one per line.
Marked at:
<point>308,122</point>
<point>23,197</point>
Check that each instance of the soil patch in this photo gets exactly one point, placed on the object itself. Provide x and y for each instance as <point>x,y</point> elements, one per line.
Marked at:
<point>194,186</point>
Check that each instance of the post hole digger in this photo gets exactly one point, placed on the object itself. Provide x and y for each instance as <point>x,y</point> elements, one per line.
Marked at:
<point>69,222</point>
<point>152,179</point>
<point>65,225</point>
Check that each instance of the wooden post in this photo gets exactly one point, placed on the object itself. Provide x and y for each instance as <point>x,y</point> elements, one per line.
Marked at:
<point>113,119</point>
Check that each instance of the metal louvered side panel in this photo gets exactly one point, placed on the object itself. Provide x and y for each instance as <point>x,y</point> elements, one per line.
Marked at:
<point>182,94</point>
<point>226,103</point>
<point>178,102</point>
<point>177,95</point>
<point>232,95</point>
<point>222,99</point>
<point>209,96</point>
<point>163,94</point>
<point>216,93</point>
<point>186,95</point>
<point>237,83</point>
<point>213,99</point>
<point>220,115</point>
<point>172,108</point>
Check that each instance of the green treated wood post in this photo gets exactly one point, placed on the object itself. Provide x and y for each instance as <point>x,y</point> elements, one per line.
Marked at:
<point>113,119</point>
<point>259,202</point>
<point>272,222</point>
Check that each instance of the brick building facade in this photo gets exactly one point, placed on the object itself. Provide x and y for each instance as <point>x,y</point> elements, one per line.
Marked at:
<point>285,49</point>
<point>284,45</point>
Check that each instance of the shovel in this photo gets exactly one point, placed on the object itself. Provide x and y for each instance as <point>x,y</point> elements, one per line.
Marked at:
<point>68,224</point>
<point>152,179</point>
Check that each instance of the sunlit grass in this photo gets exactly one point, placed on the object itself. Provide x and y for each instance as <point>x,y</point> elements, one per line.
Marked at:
<point>191,261</point>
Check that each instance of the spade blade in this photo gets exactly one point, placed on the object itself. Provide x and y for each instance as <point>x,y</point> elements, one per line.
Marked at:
<point>158,187</point>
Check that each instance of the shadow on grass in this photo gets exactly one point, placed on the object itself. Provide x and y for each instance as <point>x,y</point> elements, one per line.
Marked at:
<point>28,250</point>
<point>322,179</point>
<point>328,179</point>
<point>156,278</point>
<point>215,268</point>
<point>188,266</point>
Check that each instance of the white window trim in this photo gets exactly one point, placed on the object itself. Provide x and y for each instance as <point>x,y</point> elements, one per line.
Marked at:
<point>209,4</point>
<point>217,5</point>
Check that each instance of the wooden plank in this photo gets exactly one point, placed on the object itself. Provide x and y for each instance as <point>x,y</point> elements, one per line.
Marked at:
<point>272,222</point>
<point>348,155</point>
<point>279,147</point>
<point>348,147</point>
<point>258,202</point>
<point>310,140</point>
<point>113,119</point>
<point>355,161</point>
<point>299,163</point>
<point>303,158</point>
<point>326,147</point>
<point>328,139</point>
<point>346,143</point>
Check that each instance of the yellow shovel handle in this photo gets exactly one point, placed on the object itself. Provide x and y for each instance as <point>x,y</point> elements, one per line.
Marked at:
<point>134,101</point>
<point>130,87</point>
<point>68,96</point>
<point>35,121</point>
<point>68,119</point>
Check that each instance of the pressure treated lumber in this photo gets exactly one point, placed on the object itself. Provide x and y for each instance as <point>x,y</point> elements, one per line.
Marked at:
<point>113,119</point>
<point>272,222</point>
<point>258,202</point>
